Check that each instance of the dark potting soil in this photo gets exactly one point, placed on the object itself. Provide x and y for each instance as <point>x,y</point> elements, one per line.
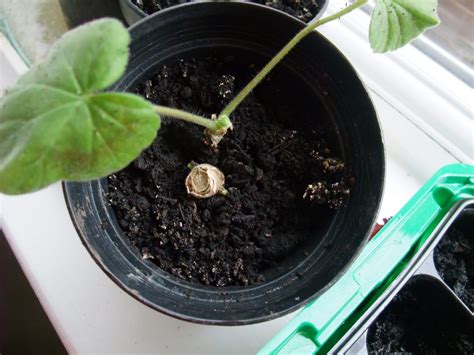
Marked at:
<point>421,320</point>
<point>454,259</point>
<point>224,240</point>
<point>305,10</point>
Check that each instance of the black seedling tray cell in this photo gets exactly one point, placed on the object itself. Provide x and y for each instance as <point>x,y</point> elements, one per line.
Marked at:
<point>454,257</point>
<point>424,317</point>
<point>428,308</point>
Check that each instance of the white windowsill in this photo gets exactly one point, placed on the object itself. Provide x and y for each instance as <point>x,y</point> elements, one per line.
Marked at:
<point>92,314</point>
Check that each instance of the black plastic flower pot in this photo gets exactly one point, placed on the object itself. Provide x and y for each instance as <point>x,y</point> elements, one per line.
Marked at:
<point>318,79</point>
<point>304,10</point>
<point>77,12</point>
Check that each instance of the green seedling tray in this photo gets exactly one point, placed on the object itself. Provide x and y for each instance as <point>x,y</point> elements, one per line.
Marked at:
<point>322,323</point>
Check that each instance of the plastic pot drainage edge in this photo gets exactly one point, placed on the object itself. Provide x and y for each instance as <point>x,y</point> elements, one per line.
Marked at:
<point>197,28</point>
<point>338,321</point>
<point>133,13</point>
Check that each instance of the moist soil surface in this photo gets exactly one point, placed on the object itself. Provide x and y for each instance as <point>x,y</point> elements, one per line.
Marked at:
<point>454,258</point>
<point>421,320</point>
<point>268,164</point>
<point>305,10</point>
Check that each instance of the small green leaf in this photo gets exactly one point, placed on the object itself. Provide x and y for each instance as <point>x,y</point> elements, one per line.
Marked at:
<point>53,124</point>
<point>395,23</point>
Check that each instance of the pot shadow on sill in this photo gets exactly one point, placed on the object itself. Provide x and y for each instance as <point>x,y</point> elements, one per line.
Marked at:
<point>24,325</point>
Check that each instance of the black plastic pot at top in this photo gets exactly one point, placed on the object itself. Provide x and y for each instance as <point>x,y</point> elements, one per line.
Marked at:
<point>317,78</point>
<point>77,12</point>
<point>133,13</point>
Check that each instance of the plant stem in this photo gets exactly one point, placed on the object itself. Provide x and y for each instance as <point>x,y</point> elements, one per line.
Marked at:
<point>283,52</point>
<point>211,125</point>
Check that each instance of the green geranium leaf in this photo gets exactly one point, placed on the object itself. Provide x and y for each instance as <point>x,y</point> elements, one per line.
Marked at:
<point>395,23</point>
<point>54,125</point>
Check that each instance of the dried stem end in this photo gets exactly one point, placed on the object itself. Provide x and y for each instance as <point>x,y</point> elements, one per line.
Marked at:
<point>223,124</point>
<point>205,181</point>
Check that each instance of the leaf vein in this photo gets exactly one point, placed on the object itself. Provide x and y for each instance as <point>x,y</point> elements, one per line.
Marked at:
<point>110,118</point>
<point>74,76</point>
<point>99,135</point>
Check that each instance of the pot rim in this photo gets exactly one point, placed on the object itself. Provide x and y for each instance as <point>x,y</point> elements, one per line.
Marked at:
<point>143,14</point>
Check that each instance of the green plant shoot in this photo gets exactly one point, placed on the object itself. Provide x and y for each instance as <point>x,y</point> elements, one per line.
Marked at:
<point>385,34</point>
<point>57,124</point>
